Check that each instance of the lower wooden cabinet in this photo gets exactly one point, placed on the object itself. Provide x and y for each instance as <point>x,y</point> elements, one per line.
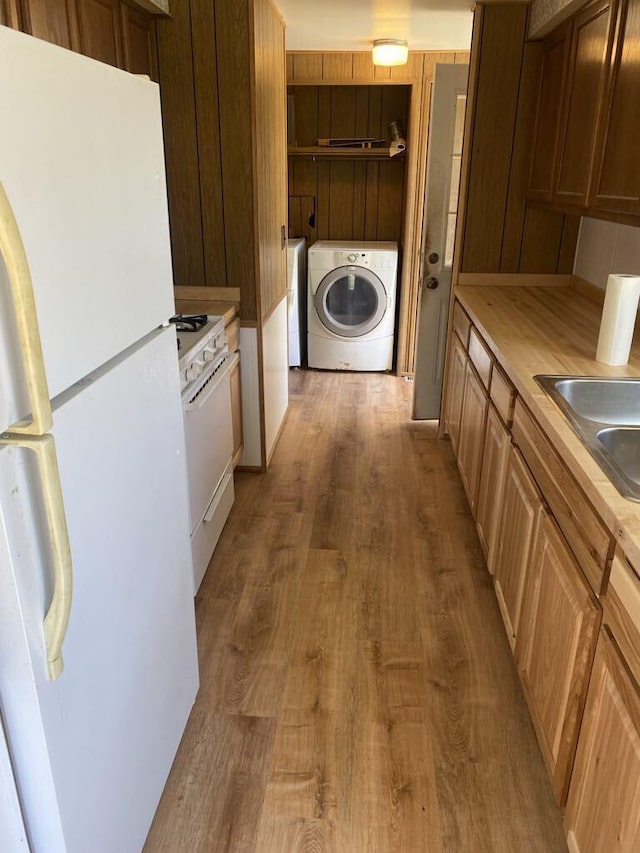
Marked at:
<point>603,809</point>
<point>556,639</point>
<point>494,466</point>
<point>519,519</point>
<point>471,439</point>
<point>457,365</point>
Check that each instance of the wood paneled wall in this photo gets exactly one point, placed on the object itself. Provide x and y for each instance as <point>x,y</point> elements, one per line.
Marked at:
<point>503,232</point>
<point>347,200</point>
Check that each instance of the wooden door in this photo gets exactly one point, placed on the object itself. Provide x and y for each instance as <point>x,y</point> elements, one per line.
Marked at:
<point>591,45</point>
<point>550,95</point>
<point>100,30</point>
<point>554,650</point>
<point>490,495</point>
<point>472,425</point>
<point>457,368</point>
<point>521,510</point>
<point>617,183</point>
<point>603,809</point>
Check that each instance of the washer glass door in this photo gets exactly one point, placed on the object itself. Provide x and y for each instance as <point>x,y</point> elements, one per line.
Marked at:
<point>350,301</point>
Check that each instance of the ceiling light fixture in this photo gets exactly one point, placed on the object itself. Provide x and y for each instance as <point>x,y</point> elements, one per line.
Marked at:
<point>390,52</point>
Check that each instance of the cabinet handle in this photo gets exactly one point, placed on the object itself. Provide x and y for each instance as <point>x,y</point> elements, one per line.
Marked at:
<point>15,259</point>
<point>57,619</point>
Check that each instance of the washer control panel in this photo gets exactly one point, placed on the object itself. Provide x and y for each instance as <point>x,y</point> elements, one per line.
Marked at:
<point>359,258</point>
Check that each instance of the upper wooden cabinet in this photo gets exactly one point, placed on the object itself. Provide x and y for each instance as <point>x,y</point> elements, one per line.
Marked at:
<point>591,42</point>
<point>589,86</point>
<point>617,172</point>
<point>546,138</point>
<point>110,31</point>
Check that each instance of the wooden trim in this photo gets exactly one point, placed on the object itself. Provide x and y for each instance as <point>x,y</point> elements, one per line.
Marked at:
<point>248,324</point>
<point>222,294</point>
<point>272,309</point>
<point>490,279</point>
<point>278,434</point>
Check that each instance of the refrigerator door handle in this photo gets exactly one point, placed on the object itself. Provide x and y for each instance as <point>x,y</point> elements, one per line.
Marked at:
<point>15,259</point>
<point>57,618</point>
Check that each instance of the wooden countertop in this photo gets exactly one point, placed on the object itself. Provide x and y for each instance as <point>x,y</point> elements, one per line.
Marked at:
<point>554,330</point>
<point>218,301</point>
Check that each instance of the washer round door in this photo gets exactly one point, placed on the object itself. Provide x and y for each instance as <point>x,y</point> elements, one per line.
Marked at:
<point>350,301</point>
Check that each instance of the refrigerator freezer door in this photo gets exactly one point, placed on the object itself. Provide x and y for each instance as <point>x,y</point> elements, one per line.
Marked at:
<point>92,750</point>
<point>82,163</point>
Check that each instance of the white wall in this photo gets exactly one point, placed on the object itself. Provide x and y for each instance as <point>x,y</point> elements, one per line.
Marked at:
<point>275,357</point>
<point>605,247</point>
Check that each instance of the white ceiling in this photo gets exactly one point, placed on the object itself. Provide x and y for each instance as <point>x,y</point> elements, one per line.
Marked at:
<point>354,24</point>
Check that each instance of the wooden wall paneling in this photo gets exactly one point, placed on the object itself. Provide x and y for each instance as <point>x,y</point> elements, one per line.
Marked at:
<point>203,33</point>
<point>343,110</point>
<point>337,66</point>
<point>541,240</point>
<point>11,14</point>
<point>324,111</point>
<point>372,198</point>
<point>51,20</point>
<point>503,34</point>
<point>412,70</point>
<point>138,41</point>
<point>390,201</point>
<point>567,253</point>
<point>99,27</point>
<point>323,209</point>
<point>462,56</point>
<point>363,67</point>
<point>521,158</point>
<point>359,200</point>
<point>237,129</point>
<point>306,109</point>
<point>374,123</point>
<point>341,200</point>
<point>381,72</point>
<point>395,106</point>
<point>306,66</point>
<point>175,70</point>
<point>290,67</point>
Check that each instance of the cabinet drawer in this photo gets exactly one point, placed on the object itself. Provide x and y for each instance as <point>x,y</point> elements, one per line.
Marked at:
<point>622,609</point>
<point>586,534</point>
<point>481,357</point>
<point>502,395</point>
<point>233,335</point>
<point>461,324</point>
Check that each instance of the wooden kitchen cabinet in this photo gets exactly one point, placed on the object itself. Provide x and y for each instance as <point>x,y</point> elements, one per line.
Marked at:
<point>603,808</point>
<point>138,42</point>
<point>471,438</point>
<point>490,495</point>
<point>617,176</point>
<point>457,367</point>
<point>591,43</point>
<point>547,129</point>
<point>554,649</point>
<point>519,519</point>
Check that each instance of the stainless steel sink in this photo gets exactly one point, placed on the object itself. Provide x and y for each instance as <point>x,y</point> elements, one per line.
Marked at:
<point>609,401</point>
<point>605,415</point>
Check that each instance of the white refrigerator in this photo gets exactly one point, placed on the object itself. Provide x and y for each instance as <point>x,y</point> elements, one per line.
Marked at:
<point>94,526</point>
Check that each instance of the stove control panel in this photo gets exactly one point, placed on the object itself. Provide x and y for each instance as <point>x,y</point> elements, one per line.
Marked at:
<point>199,349</point>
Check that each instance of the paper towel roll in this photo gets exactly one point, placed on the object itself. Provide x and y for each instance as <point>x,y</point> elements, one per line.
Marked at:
<point>618,319</point>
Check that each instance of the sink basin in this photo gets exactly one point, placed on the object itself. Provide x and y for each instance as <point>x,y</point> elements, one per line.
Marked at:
<point>605,414</point>
<point>608,401</point>
<point>623,445</point>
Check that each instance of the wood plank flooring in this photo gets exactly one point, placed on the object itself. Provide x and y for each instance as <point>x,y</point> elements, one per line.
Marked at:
<point>357,688</point>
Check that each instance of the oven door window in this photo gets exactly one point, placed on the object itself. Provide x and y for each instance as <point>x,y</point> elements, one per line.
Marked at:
<point>350,301</point>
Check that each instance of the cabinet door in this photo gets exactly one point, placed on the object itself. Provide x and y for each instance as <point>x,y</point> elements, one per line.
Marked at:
<point>590,48</point>
<point>494,465</point>
<point>603,809</point>
<point>457,365</point>
<point>550,94</point>
<point>617,185</point>
<point>138,40</point>
<point>52,20</point>
<point>519,519</point>
<point>472,425</point>
<point>554,650</point>
<point>100,30</point>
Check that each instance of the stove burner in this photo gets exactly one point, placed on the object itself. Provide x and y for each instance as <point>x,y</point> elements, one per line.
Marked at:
<point>189,322</point>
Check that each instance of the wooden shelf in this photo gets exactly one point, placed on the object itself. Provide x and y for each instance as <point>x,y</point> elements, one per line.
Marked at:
<point>343,153</point>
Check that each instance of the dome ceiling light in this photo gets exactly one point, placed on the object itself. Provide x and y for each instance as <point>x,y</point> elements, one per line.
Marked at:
<point>390,52</point>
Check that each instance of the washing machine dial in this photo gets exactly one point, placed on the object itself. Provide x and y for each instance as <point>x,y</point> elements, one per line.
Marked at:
<point>352,258</point>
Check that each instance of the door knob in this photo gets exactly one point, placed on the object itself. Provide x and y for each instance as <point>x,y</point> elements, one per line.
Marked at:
<point>431,282</point>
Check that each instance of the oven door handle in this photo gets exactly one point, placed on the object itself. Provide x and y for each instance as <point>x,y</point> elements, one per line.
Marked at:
<point>220,373</point>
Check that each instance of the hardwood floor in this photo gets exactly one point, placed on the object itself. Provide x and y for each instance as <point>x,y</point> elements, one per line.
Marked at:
<point>358,691</point>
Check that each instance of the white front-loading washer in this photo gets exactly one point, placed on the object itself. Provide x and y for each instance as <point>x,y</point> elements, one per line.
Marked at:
<point>351,305</point>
